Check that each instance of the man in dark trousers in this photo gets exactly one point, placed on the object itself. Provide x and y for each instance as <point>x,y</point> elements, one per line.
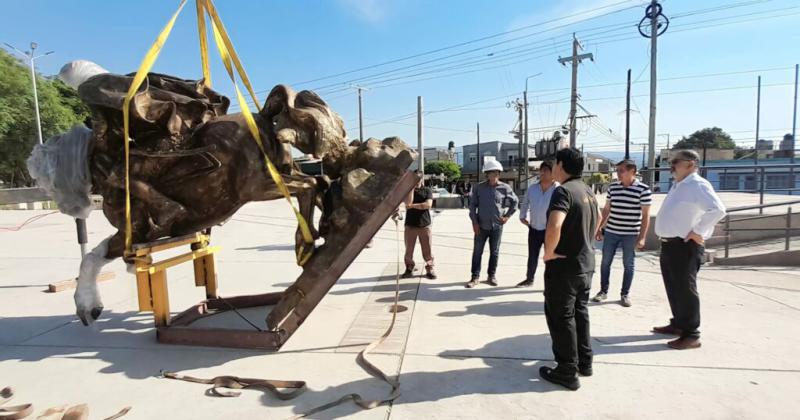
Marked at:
<point>569,265</point>
<point>686,219</point>
<point>418,225</point>
<point>491,205</point>
<point>533,214</point>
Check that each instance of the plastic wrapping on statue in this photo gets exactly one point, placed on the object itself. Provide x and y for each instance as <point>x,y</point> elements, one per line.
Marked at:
<point>60,167</point>
<point>76,72</point>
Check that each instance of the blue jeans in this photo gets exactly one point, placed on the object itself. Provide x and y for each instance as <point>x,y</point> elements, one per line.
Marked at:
<point>535,242</point>
<point>493,236</point>
<point>612,241</point>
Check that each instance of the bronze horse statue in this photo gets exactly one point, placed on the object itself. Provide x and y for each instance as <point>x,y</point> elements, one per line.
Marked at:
<point>192,166</point>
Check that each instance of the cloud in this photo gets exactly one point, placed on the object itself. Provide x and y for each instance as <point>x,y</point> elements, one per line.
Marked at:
<point>371,11</point>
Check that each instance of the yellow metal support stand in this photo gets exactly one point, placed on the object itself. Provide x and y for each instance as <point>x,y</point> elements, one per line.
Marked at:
<point>151,277</point>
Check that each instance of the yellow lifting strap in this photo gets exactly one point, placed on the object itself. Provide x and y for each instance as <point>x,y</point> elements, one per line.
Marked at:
<point>230,59</point>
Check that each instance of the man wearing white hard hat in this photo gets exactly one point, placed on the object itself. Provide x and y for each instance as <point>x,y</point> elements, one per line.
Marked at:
<point>491,205</point>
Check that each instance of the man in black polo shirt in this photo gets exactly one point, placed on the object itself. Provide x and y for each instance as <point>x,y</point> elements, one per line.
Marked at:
<point>569,265</point>
<point>418,225</point>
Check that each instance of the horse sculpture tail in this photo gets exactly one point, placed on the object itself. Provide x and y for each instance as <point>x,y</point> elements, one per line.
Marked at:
<point>61,168</point>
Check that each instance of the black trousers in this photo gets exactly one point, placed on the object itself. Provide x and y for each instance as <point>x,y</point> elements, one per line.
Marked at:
<point>680,262</point>
<point>535,242</point>
<point>566,295</point>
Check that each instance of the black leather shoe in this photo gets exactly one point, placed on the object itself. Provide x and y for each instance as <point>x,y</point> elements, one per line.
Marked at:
<point>407,274</point>
<point>570,382</point>
<point>525,283</point>
<point>585,371</point>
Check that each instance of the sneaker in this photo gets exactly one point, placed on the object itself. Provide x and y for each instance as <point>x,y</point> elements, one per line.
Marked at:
<point>525,283</point>
<point>430,274</point>
<point>570,382</point>
<point>601,296</point>
<point>491,281</point>
<point>407,274</point>
<point>472,283</point>
<point>625,301</point>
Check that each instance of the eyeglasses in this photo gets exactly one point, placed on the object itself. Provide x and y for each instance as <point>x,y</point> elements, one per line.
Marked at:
<point>676,160</point>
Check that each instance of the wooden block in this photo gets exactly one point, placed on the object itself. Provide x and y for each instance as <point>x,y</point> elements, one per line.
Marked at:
<point>73,283</point>
<point>144,291</point>
<point>210,271</point>
<point>168,243</point>
<point>158,285</point>
<point>171,262</point>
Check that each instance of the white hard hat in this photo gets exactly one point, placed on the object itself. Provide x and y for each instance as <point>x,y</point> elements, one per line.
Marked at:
<point>492,165</point>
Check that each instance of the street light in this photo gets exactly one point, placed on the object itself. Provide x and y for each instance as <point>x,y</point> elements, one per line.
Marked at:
<point>525,124</point>
<point>31,58</point>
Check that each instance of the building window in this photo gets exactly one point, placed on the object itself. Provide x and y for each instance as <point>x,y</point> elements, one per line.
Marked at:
<point>473,157</point>
<point>778,181</point>
<point>750,183</point>
<point>728,182</point>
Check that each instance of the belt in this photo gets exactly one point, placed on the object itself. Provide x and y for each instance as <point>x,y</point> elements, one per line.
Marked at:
<point>675,239</point>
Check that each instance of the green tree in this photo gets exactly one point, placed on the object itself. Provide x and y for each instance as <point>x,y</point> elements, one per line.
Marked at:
<point>711,137</point>
<point>59,107</point>
<point>450,169</point>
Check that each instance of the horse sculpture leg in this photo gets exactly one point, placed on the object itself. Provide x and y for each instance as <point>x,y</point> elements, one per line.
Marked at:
<point>88,304</point>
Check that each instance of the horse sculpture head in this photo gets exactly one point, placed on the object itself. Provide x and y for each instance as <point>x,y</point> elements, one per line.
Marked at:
<point>305,121</point>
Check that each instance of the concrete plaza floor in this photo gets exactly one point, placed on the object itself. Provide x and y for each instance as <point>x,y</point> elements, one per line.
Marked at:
<point>460,353</point>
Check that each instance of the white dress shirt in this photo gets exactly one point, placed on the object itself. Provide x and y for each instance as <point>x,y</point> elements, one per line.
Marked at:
<point>535,204</point>
<point>690,206</point>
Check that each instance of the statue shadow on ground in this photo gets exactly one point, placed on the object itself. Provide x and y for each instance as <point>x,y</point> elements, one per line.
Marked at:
<point>125,342</point>
<point>458,375</point>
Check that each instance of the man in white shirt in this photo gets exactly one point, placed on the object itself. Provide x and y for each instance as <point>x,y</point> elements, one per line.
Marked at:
<point>533,214</point>
<point>686,219</point>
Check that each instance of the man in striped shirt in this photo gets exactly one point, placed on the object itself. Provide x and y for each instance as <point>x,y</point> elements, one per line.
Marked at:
<point>625,219</point>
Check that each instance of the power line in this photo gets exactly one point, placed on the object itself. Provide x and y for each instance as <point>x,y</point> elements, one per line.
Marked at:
<point>473,41</point>
<point>607,40</point>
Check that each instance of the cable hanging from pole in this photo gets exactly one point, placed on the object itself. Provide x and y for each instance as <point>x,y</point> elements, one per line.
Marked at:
<point>653,11</point>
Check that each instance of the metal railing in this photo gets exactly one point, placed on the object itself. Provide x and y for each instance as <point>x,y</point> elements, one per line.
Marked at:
<point>787,229</point>
<point>759,183</point>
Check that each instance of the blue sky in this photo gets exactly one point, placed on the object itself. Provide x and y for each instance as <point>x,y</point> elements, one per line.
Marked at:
<point>292,42</point>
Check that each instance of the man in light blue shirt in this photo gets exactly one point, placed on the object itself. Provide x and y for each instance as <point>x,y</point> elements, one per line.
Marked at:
<point>533,214</point>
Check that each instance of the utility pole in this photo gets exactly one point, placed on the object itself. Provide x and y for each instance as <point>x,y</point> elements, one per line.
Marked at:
<point>31,58</point>
<point>360,114</point>
<point>518,106</point>
<point>575,59</point>
<point>644,151</point>
<point>628,119</point>
<point>525,102</point>
<point>794,117</point>
<point>653,13</point>
<point>758,116</point>
<point>480,160</point>
<point>420,148</point>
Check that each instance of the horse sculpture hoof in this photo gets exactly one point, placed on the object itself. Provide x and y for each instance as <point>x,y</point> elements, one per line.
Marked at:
<point>88,317</point>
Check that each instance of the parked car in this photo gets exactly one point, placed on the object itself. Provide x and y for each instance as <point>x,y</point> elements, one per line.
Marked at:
<point>442,192</point>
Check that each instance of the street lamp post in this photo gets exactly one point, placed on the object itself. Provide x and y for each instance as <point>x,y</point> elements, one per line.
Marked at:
<point>31,61</point>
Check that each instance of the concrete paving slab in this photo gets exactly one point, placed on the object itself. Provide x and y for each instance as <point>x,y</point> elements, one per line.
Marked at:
<point>470,353</point>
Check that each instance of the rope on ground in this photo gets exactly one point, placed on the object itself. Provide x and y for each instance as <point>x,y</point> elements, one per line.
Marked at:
<point>273,386</point>
<point>26,222</point>
<point>365,364</point>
